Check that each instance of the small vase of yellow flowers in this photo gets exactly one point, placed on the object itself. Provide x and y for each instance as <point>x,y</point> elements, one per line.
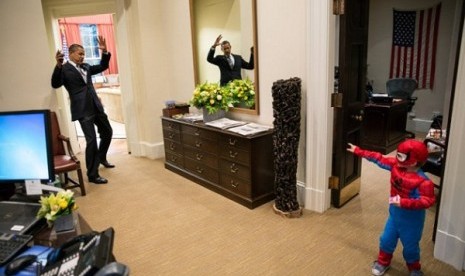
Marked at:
<point>213,99</point>
<point>58,209</point>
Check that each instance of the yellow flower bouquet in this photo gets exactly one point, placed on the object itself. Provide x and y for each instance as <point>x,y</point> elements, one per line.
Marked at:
<point>56,205</point>
<point>242,92</point>
<point>212,97</point>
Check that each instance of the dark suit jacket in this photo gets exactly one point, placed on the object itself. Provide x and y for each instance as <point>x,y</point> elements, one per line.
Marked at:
<point>228,74</point>
<point>82,95</point>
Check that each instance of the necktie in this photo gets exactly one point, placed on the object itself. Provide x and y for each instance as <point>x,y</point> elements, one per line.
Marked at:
<point>231,64</point>
<point>83,72</point>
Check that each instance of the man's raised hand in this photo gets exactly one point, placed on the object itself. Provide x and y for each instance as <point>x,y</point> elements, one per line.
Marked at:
<point>60,57</point>
<point>102,44</point>
<point>217,41</point>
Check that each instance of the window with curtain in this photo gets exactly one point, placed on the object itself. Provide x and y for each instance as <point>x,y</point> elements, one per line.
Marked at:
<point>89,40</point>
<point>84,30</point>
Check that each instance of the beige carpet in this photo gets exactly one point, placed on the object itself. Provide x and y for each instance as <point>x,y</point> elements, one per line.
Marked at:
<point>168,225</point>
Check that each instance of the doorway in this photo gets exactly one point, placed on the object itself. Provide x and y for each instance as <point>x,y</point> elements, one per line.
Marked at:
<point>52,12</point>
<point>449,60</point>
<point>84,30</point>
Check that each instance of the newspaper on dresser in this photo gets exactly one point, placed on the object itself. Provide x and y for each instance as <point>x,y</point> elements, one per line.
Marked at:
<point>249,129</point>
<point>225,123</point>
<point>190,117</point>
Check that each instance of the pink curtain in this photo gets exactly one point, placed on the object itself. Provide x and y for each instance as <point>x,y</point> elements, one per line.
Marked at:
<point>70,27</point>
<point>71,32</point>
<point>106,31</point>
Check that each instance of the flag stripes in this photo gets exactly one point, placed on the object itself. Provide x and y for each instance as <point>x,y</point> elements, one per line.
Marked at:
<point>414,44</point>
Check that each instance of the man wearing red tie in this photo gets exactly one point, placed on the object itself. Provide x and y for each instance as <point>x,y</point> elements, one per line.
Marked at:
<point>86,107</point>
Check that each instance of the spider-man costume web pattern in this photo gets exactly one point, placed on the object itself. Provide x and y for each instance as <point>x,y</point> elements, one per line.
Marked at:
<point>405,222</point>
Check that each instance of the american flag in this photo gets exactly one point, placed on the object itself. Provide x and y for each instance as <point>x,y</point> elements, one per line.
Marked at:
<point>414,41</point>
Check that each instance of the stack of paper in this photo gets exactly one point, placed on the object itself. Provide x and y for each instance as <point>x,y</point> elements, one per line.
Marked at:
<point>225,123</point>
<point>250,129</point>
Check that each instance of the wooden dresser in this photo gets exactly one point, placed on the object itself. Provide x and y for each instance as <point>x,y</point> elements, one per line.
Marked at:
<point>235,166</point>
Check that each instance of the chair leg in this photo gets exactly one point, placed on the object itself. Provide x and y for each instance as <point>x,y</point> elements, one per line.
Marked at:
<point>66,178</point>
<point>81,182</point>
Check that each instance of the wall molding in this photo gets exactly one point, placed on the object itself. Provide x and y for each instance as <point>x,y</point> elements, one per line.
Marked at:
<point>319,114</point>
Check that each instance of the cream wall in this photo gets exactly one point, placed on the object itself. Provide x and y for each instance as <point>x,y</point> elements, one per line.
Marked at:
<point>282,55</point>
<point>161,67</point>
<point>24,55</point>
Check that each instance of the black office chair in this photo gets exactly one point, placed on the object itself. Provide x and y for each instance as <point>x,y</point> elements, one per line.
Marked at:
<point>402,88</point>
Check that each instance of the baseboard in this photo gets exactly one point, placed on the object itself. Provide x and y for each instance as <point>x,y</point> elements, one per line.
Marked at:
<point>149,150</point>
<point>311,199</point>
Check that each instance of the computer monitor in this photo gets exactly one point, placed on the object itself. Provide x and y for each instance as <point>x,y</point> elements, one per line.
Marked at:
<point>26,151</point>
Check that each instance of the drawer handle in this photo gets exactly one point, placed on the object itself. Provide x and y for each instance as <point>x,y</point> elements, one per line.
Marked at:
<point>172,146</point>
<point>234,168</point>
<point>198,144</point>
<point>171,135</point>
<point>234,184</point>
<point>199,156</point>
<point>173,158</point>
<point>170,125</point>
<point>232,141</point>
<point>232,154</point>
<point>199,170</point>
<point>197,132</point>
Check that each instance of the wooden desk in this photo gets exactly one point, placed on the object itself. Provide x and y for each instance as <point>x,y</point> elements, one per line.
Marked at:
<point>384,126</point>
<point>49,237</point>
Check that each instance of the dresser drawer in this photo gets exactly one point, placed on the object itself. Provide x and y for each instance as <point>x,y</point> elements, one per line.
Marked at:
<point>171,125</point>
<point>236,185</point>
<point>201,170</point>
<point>172,135</point>
<point>199,132</point>
<point>201,156</point>
<point>199,143</point>
<point>236,142</point>
<point>235,169</point>
<point>236,155</point>
<point>173,146</point>
<point>174,159</point>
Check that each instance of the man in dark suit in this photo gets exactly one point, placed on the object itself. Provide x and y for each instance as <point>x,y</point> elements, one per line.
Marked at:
<point>86,107</point>
<point>230,65</point>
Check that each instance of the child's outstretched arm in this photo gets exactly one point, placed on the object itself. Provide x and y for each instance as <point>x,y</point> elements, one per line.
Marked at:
<point>372,156</point>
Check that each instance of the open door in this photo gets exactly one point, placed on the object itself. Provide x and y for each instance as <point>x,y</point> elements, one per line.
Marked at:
<point>348,117</point>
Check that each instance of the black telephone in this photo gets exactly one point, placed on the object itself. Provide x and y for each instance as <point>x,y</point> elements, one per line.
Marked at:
<point>82,255</point>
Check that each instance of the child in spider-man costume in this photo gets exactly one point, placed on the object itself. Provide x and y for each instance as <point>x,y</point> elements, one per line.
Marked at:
<point>411,193</point>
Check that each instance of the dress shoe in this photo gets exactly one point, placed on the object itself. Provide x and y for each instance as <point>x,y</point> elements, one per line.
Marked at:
<point>107,165</point>
<point>98,180</point>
